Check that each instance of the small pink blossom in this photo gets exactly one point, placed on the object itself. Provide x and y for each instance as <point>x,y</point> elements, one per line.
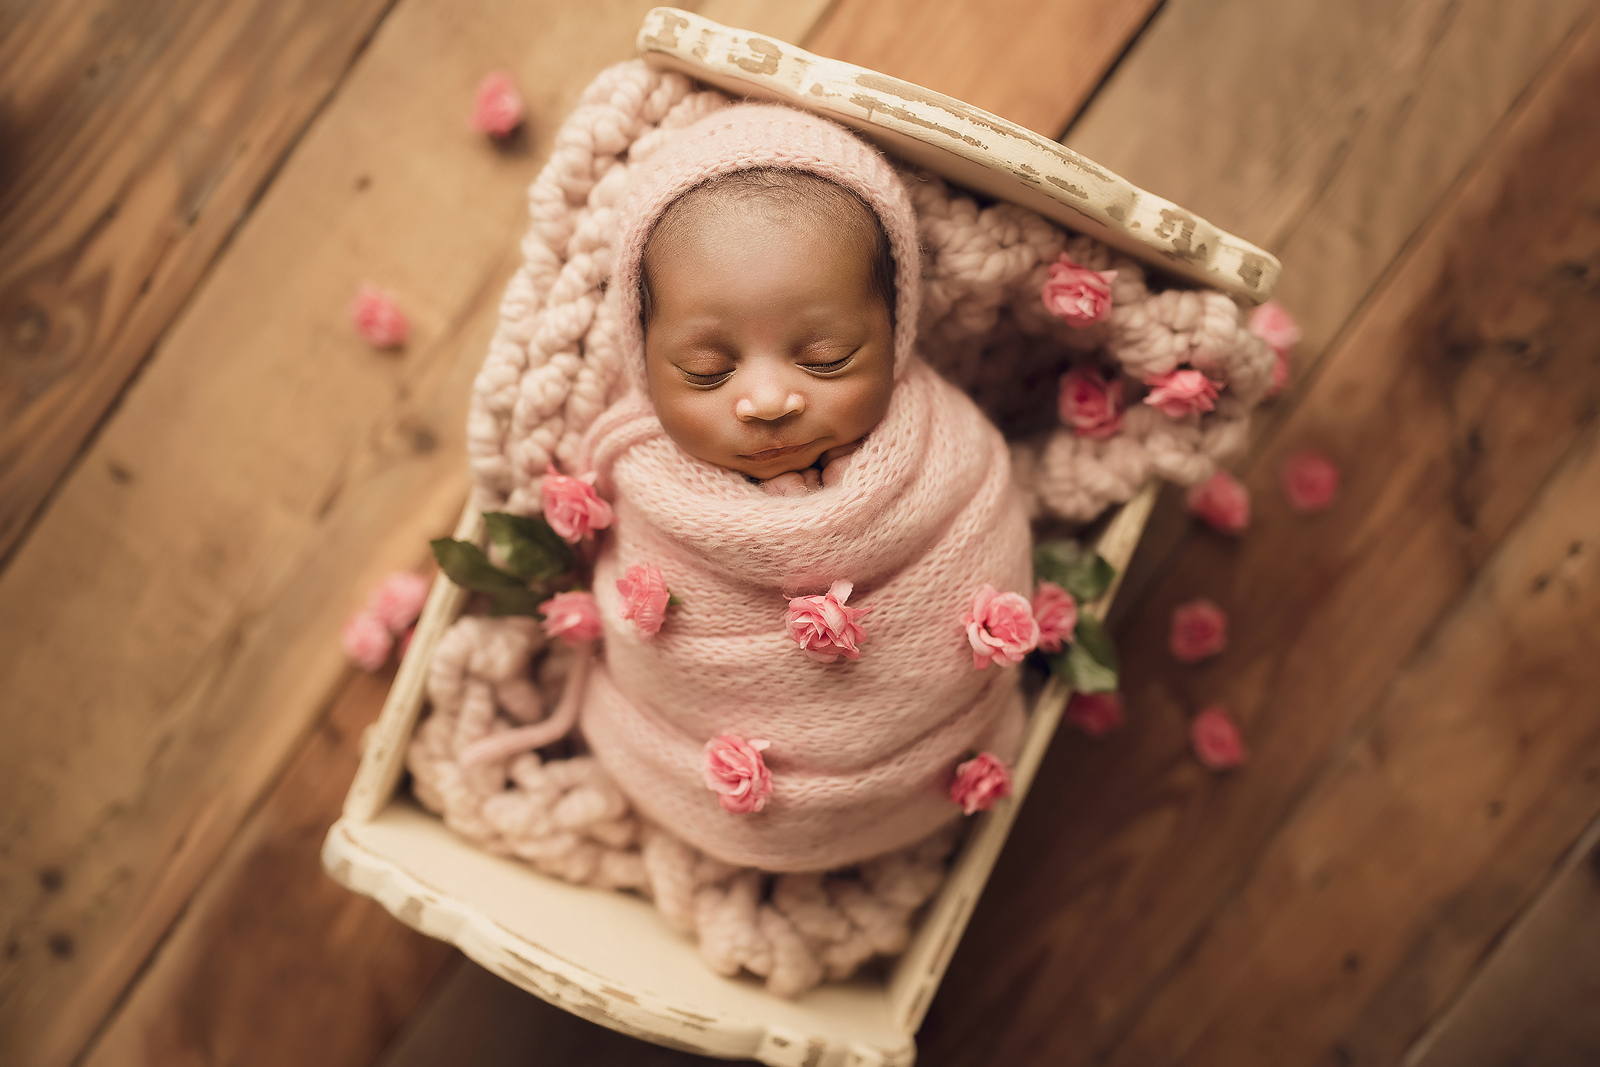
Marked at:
<point>1096,714</point>
<point>1280,375</point>
<point>1274,325</point>
<point>1310,480</point>
<point>1089,404</point>
<point>1199,629</point>
<point>1216,740</point>
<point>824,626</point>
<point>378,318</point>
<point>735,771</point>
<point>645,593</point>
<point>398,600</point>
<point>1181,392</point>
<point>1000,628</point>
<point>573,617</point>
<point>1057,615</point>
<point>366,640</point>
<point>1078,294</point>
<point>572,507</point>
<point>980,781</point>
<point>1222,501</point>
<point>498,108</point>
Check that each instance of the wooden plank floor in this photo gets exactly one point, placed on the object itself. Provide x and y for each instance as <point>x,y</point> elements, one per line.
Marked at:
<point>201,472</point>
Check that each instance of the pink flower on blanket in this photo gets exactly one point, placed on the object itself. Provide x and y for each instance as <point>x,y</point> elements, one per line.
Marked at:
<point>1089,404</point>
<point>573,617</point>
<point>1078,294</point>
<point>1216,740</point>
<point>378,318</point>
<point>734,770</point>
<point>1096,714</point>
<point>398,600</point>
<point>1181,392</point>
<point>572,507</point>
<point>824,626</point>
<point>366,640</point>
<point>1057,615</point>
<point>645,595</point>
<point>1199,629</point>
<point>1222,501</point>
<point>497,110</point>
<point>980,781</point>
<point>1274,325</point>
<point>1000,628</point>
<point>1310,480</point>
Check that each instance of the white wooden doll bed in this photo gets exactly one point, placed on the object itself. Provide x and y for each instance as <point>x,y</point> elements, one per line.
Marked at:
<point>609,956</point>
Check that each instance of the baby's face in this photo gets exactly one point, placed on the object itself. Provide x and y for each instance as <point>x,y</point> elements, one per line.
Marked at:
<point>767,345</point>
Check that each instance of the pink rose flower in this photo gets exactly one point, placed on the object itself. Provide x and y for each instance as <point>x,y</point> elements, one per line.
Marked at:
<point>1181,392</point>
<point>1096,714</point>
<point>1280,376</point>
<point>398,600</point>
<point>1000,628</point>
<point>377,318</point>
<point>1089,404</point>
<point>1199,629</point>
<point>824,627</point>
<point>498,108</point>
<point>573,617</point>
<point>1057,615</point>
<point>1273,324</point>
<point>572,507</point>
<point>1310,480</point>
<point>366,640</point>
<point>1216,740</point>
<point>734,770</point>
<point>1222,501</point>
<point>645,593</point>
<point>1078,294</point>
<point>980,781</point>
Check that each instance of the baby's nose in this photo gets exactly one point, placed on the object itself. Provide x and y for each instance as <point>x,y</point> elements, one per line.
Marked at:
<point>767,402</point>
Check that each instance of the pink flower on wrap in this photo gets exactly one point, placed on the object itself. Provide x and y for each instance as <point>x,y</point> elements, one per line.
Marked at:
<point>1000,628</point>
<point>573,617</point>
<point>1222,501</point>
<point>1078,294</point>
<point>1089,404</point>
<point>1216,740</point>
<point>1181,392</point>
<point>824,626</point>
<point>572,507</point>
<point>366,640</point>
<point>1057,615</point>
<point>377,318</point>
<point>398,600</point>
<point>980,781</point>
<point>645,596</point>
<point>1199,629</point>
<point>1275,326</point>
<point>1096,714</point>
<point>1310,480</point>
<point>734,770</point>
<point>497,109</point>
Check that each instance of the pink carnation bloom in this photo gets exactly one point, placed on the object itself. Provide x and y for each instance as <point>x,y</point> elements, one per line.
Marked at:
<point>734,770</point>
<point>1273,324</point>
<point>645,596</point>
<point>1057,615</point>
<point>1181,392</point>
<point>1199,629</point>
<point>498,108</point>
<point>573,617</point>
<point>366,640</point>
<point>1280,376</point>
<point>1222,501</point>
<point>980,781</point>
<point>572,507</point>
<point>1310,480</point>
<point>1216,740</point>
<point>1089,404</point>
<point>377,318</point>
<point>1096,714</point>
<point>398,600</point>
<point>824,626</point>
<point>1078,294</point>
<point>1000,628</point>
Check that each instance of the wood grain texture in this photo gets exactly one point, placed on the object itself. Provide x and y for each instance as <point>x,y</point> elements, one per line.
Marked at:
<point>1399,665</point>
<point>136,135</point>
<point>1034,63</point>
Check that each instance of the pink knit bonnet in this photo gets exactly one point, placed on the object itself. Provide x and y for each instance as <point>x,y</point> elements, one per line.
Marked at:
<point>750,136</point>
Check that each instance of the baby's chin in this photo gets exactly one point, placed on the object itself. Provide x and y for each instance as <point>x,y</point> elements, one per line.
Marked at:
<point>762,470</point>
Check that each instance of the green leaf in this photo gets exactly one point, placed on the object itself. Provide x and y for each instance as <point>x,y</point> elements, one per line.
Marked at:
<point>1080,571</point>
<point>532,550</point>
<point>673,600</point>
<point>1089,664</point>
<point>468,566</point>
